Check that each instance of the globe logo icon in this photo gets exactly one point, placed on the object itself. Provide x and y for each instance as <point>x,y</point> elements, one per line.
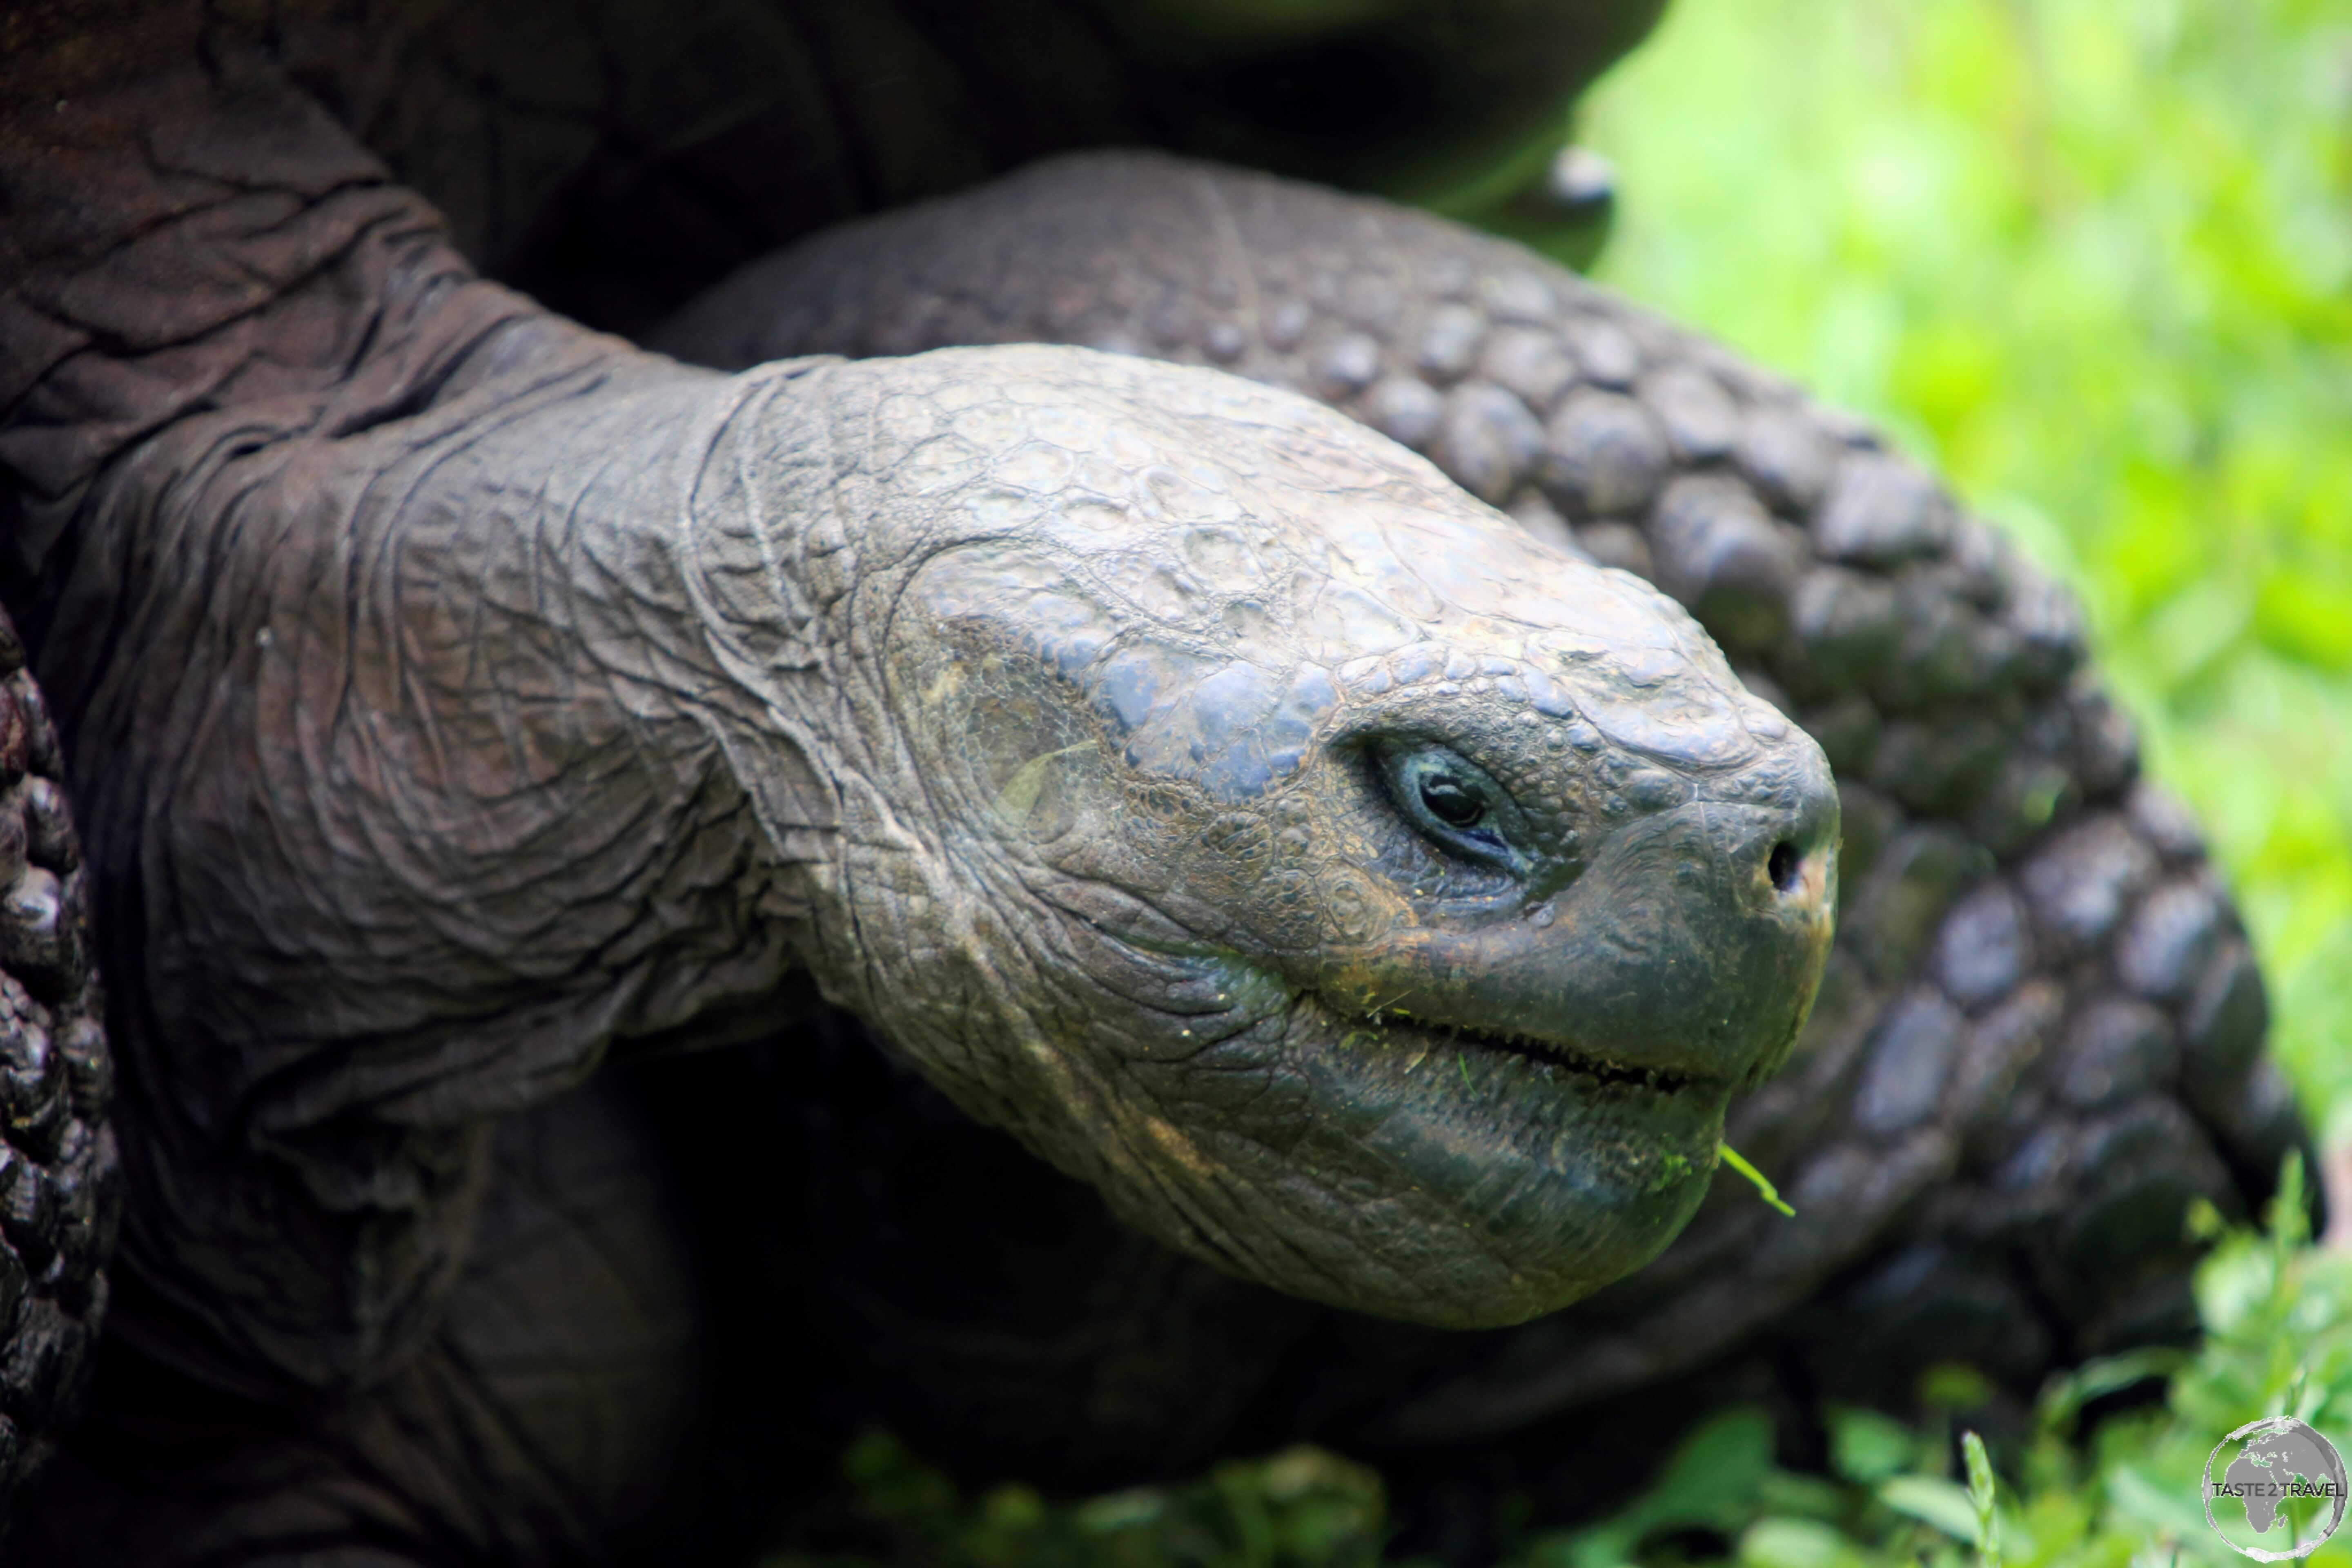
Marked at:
<point>2275,1475</point>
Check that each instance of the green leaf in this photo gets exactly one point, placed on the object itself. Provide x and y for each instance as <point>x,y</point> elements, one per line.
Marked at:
<point>1932,1501</point>
<point>1867,1447</point>
<point>1981,1492</point>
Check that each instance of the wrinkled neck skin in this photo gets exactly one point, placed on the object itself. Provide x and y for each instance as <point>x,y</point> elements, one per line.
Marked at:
<point>401,755</point>
<point>444,740</point>
<point>454,695</point>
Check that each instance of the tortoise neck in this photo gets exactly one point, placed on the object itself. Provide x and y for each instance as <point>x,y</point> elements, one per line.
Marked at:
<point>407,775</point>
<point>403,606</point>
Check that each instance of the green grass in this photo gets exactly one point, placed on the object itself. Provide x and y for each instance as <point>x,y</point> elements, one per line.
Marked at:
<point>2094,259</point>
<point>2278,1320</point>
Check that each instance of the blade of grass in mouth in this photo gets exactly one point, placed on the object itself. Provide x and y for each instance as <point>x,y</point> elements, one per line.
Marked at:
<point>1738,1162</point>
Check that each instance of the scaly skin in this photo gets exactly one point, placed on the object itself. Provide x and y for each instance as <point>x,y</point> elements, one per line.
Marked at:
<point>453,696</point>
<point>2041,1032</point>
<point>1284,1030</point>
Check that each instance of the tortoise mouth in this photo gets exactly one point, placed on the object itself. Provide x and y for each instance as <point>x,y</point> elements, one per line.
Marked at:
<point>1462,1176</point>
<point>1538,1167</point>
<point>1551,1057</point>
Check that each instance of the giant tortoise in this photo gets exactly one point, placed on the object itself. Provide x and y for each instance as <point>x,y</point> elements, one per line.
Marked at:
<point>1156,709</point>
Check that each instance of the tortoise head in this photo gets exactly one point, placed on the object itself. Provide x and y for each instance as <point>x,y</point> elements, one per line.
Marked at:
<point>1364,895</point>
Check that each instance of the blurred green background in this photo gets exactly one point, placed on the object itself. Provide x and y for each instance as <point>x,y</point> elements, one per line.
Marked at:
<point>2094,259</point>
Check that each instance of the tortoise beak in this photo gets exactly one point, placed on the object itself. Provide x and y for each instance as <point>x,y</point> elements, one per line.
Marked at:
<point>1687,953</point>
<point>1695,945</point>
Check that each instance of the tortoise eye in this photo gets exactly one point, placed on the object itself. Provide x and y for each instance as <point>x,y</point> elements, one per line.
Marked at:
<point>1450,801</point>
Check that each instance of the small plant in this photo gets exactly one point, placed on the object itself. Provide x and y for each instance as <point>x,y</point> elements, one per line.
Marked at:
<point>1980,1496</point>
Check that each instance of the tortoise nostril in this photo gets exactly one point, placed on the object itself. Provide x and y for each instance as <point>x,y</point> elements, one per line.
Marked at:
<point>1783,864</point>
